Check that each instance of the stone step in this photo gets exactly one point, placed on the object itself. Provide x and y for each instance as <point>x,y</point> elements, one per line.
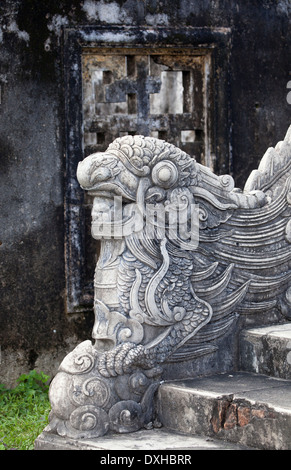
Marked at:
<point>267,350</point>
<point>144,440</point>
<point>244,408</point>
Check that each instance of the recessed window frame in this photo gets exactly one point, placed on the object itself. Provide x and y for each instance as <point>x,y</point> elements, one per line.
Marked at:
<point>76,41</point>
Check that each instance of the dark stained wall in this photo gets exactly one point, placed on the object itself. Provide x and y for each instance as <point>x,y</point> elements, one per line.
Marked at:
<point>35,330</point>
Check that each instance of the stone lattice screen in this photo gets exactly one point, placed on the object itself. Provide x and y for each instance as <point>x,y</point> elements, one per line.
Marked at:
<point>163,95</point>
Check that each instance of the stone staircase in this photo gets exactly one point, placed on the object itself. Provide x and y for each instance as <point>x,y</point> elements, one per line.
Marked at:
<point>251,407</point>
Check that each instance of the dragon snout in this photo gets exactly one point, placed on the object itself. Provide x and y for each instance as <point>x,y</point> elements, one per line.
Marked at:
<point>95,169</point>
<point>83,172</point>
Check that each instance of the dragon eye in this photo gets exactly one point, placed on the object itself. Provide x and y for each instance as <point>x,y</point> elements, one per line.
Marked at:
<point>165,174</point>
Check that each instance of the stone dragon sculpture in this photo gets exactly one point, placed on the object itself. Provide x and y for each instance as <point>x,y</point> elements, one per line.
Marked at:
<point>170,282</point>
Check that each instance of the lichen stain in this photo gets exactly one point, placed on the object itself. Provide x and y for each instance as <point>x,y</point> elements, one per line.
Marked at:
<point>106,13</point>
<point>13,28</point>
<point>56,24</point>
<point>157,19</point>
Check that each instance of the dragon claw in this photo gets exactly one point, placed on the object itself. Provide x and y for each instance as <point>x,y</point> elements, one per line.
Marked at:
<point>118,361</point>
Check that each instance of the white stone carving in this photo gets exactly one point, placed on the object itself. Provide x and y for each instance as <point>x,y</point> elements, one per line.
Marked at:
<point>183,252</point>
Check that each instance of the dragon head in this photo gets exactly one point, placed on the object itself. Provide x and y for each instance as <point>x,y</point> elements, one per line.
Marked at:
<point>144,170</point>
<point>132,159</point>
<point>140,170</point>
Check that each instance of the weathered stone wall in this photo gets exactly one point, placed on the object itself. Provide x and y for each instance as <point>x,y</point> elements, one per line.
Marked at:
<point>35,330</point>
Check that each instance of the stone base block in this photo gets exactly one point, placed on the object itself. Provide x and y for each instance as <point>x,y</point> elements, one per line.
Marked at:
<point>267,350</point>
<point>249,409</point>
<point>144,440</point>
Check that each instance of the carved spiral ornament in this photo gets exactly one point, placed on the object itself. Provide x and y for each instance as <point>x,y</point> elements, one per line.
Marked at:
<point>98,390</point>
<point>226,182</point>
<point>126,416</point>
<point>138,382</point>
<point>84,363</point>
<point>90,419</point>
